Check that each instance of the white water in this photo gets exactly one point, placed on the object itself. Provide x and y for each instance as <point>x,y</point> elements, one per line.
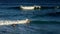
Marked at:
<point>9,22</point>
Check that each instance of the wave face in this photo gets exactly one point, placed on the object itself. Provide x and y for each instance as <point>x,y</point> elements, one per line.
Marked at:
<point>29,2</point>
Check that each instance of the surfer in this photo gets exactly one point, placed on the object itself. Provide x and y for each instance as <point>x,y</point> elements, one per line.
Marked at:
<point>27,21</point>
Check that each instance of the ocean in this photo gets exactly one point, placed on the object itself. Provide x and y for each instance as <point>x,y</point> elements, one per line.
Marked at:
<point>43,21</point>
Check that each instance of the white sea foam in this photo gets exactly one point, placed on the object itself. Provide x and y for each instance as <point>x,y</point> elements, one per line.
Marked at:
<point>9,22</point>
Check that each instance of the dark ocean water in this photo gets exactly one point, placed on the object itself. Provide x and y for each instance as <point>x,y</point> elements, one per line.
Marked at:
<point>43,21</point>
